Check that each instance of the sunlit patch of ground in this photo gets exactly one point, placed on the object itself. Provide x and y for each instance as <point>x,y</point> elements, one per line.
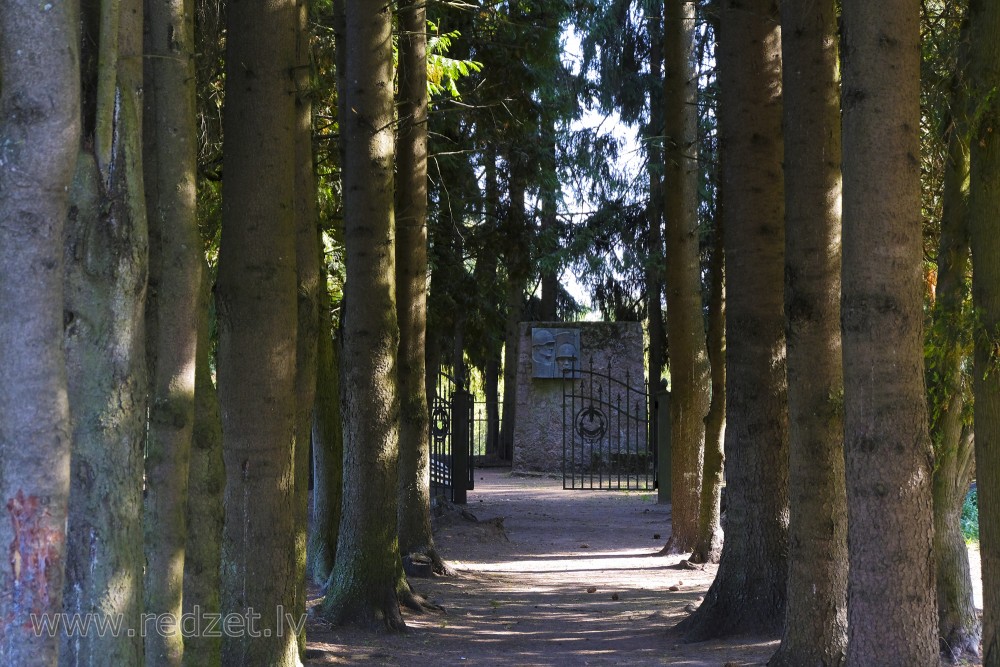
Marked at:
<point>571,580</point>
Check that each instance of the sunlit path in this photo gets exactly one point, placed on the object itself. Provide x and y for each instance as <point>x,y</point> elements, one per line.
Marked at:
<point>574,582</point>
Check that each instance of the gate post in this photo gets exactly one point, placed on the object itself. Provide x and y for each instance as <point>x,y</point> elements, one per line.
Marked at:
<point>664,488</point>
<point>460,439</point>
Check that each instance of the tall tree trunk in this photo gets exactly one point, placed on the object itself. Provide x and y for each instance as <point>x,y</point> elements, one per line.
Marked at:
<point>690,373</point>
<point>40,132</point>
<point>748,594</point>
<point>515,231</point>
<point>549,236</point>
<point>307,266</point>
<point>654,237</point>
<point>327,427</point>
<point>708,547</point>
<point>491,387</point>
<point>494,364</point>
<point>984,202</point>
<point>947,353</point>
<point>367,577</point>
<point>257,316</point>
<point>891,605</point>
<point>816,621</point>
<point>206,484</point>
<point>328,447</point>
<point>411,285</point>
<point>176,260</point>
<point>106,271</point>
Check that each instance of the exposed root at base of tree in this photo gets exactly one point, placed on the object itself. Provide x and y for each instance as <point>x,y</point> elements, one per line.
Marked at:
<point>425,561</point>
<point>685,565</point>
<point>379,614</point>
<point>413,601</point>
<point>707,549</point>
<point>319,566</point>
<point>716,618</point>
<point>672,548</point>
<point>960,645</point>
<point>782,658</point>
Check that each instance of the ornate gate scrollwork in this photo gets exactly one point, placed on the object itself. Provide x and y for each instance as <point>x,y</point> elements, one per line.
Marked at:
<point>606,438</point>
<point>451,440</point>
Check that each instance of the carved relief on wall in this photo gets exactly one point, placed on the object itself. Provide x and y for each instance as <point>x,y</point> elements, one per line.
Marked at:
<point>555,353</point>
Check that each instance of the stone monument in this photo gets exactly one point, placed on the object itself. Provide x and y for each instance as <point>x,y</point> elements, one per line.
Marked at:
<point>551,353</point>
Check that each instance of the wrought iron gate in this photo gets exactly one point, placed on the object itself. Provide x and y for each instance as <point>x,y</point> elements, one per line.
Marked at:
<point>451,440</point>
<point>606,438</point>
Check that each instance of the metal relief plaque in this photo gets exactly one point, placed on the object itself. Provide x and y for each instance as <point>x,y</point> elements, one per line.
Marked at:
<point>555,353</point>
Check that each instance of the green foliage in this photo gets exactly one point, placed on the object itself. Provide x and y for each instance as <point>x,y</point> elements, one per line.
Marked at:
<point>443,72</point>
<point>947,347</point>
<point>970,516</point>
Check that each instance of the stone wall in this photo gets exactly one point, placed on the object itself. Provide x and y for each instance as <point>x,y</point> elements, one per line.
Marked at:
<point>538,428</point>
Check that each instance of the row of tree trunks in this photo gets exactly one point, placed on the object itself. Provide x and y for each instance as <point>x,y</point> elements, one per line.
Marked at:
<point>815,631</point>
<point>40,132</point>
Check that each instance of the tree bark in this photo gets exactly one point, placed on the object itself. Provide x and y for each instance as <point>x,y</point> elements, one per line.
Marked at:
<point>106,272</point>
<point>984,201</point>
<point>549,233</point>
<point>411,285</point>
<point>367,577</point>
<point>815,630</point>
<point>206,484</point>
<point>327,427</point>
<point>328,447</point>
<point>947,354</point>
<point>892,615</point>
<point>515,231</point>
<point>257,316</point>
<point>491,386</point>
<point>708,547</point>
<point>495,362</point>
<point>40,133</point>
<point>170,164</point>
<point>748,594</point>
<point>307,266</point>
<point>657,360</point>
<point>690,373</point>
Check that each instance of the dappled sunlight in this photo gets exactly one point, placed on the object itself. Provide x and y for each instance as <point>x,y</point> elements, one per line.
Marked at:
<point>568,563</point>
<point>549,577</point>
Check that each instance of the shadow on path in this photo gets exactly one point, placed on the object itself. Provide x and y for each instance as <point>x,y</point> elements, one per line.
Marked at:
<point>574,582</point>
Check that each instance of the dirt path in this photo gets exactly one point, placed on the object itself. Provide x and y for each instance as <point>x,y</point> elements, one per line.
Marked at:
<point>571,579</point>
